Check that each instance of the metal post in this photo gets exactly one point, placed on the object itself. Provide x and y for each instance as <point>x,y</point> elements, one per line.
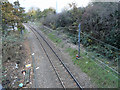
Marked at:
<point>56,7</point>
<point>79,40</point>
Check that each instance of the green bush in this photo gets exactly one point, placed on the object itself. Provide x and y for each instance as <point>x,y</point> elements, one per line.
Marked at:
<point>20,27</point>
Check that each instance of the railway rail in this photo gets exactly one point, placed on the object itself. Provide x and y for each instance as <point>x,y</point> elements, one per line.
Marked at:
<point>60,69</point>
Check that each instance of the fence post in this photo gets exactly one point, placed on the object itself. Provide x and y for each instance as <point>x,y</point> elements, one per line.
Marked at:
<point>79,40</point>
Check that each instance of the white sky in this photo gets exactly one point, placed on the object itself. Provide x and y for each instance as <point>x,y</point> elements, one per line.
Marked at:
<point>43,4</point>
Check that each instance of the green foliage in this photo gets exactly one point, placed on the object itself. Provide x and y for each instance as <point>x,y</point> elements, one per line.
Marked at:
<point>100,48</point>
<point>20,27</point>
<point>100,77</point>
<point>99,22</point>
<point>113,38</point>
<point>100,74</point>
<point>12,16</point>
<point>54,38</point>
<point>73,38</point>
<point>34,14</point>
<point>66,18</point>
<point>100,19</point>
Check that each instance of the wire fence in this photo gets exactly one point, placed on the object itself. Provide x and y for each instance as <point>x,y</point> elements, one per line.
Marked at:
<point>107,54</point>
<point>102,54</point>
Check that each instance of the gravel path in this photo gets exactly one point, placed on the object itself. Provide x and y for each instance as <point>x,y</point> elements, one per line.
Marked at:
<point>44,74</point>
<point>82,77</point>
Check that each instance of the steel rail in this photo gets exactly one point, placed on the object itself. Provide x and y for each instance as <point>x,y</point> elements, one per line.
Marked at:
<point>100,42</point>
<point>76,81</point>
<point>49,59</point>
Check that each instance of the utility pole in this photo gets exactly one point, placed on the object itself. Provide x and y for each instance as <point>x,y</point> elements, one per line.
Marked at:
<point>56,7</point>
<point>79,40</point>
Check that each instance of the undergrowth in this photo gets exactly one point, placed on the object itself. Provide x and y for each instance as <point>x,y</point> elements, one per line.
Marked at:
<point>54,38</point>
<point>100,75</point>
<point>102,78</point>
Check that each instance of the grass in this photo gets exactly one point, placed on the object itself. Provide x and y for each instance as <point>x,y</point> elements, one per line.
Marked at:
<point>54,38</point>
<point>102,78</point>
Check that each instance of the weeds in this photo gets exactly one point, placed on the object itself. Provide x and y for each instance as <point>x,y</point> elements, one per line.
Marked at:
<point>102,78</point>
<point>88,64</point>
<point>54,38</point>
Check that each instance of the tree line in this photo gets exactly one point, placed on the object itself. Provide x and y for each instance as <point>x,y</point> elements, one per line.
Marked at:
<point>13,15</point>
<point>98,19</point>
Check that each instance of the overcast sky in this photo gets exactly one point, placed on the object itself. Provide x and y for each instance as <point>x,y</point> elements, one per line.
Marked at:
<point>43,4</point>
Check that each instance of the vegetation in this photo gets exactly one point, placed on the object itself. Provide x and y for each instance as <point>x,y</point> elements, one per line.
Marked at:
<point>99,25</point>
<point>99,37</point>
<point>99,28</point>
<point>0,43</point>
<point>101,75</point>
<point>34,14</point>
<point>12,16</point>
<point>53,38</point>
<point>99,19</point>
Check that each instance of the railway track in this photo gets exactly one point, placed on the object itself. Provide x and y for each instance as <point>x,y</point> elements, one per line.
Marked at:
<point>64,75</point>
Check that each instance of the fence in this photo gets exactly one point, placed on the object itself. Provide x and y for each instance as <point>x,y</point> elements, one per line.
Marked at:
<point>102,54</point>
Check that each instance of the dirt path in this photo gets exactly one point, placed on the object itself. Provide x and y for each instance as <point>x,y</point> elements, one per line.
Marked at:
<point>45,74</point>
